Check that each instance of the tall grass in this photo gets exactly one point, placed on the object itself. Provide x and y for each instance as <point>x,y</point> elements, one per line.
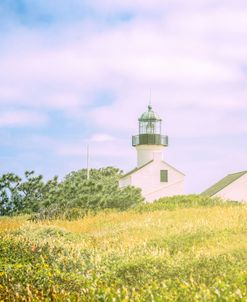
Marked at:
<point>196,253</point>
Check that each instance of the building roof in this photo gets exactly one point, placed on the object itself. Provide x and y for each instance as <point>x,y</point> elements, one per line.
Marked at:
<point>139,168</point>
<point>173,167</point>
<point>226,181</point>
<point>149,115</point>
<point>136,169</point>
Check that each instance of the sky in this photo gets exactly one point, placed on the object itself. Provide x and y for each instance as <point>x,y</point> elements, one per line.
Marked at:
<point>78,72</point>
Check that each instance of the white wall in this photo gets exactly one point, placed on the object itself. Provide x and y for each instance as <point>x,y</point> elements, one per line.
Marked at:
<point>125,181</point>
<point>171,190</point>
<point>148,179</point>
<point>235,191</point>
<point>145,153</point>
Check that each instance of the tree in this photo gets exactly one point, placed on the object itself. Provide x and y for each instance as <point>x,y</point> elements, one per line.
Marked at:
<point>32,194</point>
<point>100,192</point>
<point>10,197</point>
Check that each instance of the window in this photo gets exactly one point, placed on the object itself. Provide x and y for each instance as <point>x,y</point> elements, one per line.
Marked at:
<point>163,175</point>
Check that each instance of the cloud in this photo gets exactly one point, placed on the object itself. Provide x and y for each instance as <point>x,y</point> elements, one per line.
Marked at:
<point>191,53</point>
<point>21,118</point>
<point>101,137</point>
<point>127,60</point>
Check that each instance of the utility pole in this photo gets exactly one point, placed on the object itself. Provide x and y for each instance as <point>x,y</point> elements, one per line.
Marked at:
<point>88,171</point>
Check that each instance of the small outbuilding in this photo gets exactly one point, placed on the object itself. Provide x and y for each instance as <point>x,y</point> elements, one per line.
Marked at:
<point>231,187</point>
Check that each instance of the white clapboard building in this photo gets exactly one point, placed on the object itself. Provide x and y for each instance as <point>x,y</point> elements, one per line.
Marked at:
<point>153,175</point>
<point>231,187</point>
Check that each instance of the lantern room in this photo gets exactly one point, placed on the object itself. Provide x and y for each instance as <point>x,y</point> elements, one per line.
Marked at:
<point>150,122</point>
<point>150,130</point>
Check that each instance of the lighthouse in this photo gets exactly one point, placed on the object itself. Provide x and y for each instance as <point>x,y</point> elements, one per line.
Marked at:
<point>154,176</point>
<point>150,142</point>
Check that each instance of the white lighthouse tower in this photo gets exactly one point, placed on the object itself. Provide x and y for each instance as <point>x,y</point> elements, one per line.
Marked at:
<point>150,142</point>
<point>153,175</point>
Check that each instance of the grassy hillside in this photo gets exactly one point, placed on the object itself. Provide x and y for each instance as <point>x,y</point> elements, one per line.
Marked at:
<point>148,254</point>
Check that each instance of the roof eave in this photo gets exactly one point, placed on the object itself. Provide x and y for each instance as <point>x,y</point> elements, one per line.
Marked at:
<point>136,169</point>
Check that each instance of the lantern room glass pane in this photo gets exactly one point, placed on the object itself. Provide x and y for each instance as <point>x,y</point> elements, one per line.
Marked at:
<point>150,127</point>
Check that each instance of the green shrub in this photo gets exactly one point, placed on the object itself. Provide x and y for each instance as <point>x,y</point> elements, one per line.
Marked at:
<point>183,201</point>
